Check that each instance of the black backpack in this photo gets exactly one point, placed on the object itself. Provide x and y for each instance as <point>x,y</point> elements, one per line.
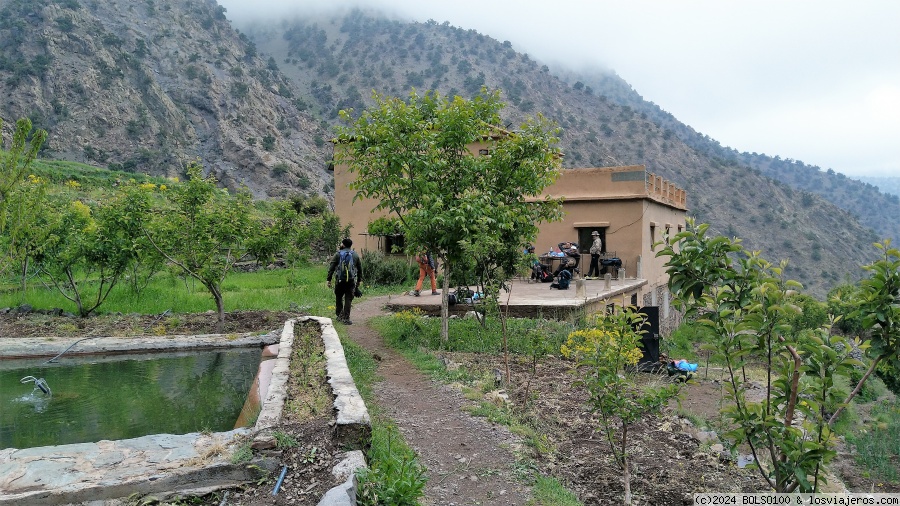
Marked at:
<point>346,270</point>
<point>563,280</point>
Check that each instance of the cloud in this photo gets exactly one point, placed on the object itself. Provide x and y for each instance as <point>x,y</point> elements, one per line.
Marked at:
<point>813,80</point>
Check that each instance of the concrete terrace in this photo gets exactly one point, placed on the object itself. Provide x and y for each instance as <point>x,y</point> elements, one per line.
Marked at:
<point>530,300</point>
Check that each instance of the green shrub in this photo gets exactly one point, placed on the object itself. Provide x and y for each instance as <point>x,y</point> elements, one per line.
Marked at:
<point>842,302</point>
<point>889,375</point>
<point>395,476</point>
<point>687,340</point>
<point>382,270</point>
<point>813,314</point>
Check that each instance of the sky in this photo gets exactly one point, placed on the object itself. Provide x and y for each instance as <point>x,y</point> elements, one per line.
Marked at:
<point>810,80</point>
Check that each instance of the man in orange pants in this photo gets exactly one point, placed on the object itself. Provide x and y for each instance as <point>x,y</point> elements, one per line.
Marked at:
<point>426,268</point>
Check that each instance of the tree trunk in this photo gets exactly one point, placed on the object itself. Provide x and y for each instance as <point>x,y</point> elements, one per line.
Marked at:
<point>220,307</point>
<point>445,305</point>
<point>503,316</point>
<point>24,278</point>
<point>626,471</point>
<point>855,390</point>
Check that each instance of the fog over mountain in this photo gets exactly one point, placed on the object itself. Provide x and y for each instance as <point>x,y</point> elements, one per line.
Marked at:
<point>811,81</point>
<point>154,86</point>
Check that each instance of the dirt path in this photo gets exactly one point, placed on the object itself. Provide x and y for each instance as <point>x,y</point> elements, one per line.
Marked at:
<point>469,460</point>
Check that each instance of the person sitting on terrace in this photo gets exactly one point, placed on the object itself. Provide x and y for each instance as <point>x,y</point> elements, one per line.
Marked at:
<point>570,261</point>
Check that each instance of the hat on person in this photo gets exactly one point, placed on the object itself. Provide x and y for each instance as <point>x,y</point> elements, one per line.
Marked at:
<point>595,233</point>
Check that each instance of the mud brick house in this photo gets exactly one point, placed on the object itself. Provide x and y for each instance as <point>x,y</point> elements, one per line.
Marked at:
<point>630,207</point>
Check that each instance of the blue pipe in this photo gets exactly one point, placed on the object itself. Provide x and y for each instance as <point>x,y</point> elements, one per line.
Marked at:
<point>280,479</point>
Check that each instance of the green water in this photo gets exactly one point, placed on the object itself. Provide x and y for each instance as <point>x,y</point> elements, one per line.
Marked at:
<point>123,396</point>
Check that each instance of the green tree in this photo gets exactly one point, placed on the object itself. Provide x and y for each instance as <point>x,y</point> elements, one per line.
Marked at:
<point>412,157</point>
<point>879,309</point>
<point>203,231</point>
<point>602,354</point>
<point>750,308</point>
<point>132,208</point>
<point>15,162</point>
<point>86,253</point>
<point>31,220</point>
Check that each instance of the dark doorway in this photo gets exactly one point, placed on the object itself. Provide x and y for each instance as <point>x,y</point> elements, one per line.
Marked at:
<point>650,337</point>
<point>585,240</point>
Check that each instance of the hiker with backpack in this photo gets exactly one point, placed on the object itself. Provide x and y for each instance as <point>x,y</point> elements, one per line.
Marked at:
<point>426,268</point>
<point>347,270</point>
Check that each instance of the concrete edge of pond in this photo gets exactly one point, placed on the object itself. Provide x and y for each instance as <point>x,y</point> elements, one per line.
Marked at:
<point>36,347</point>
<point>164,465</point>
<point>353,426</point>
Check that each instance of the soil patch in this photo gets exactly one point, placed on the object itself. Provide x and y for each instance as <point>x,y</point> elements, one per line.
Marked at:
<point>669,464</point>
<point>131,325</point>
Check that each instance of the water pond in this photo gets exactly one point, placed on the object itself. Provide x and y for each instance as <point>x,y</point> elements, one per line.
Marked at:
<point>123,396</point>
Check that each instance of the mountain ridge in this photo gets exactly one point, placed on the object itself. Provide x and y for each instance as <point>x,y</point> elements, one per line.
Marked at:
<point>144,87</point>
<point>137,87</point>
<point>331,59</point>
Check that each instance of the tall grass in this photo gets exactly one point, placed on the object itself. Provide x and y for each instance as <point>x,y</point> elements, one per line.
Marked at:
<point>878,442</point>
<point>282,289</point>
<point>410,330</point>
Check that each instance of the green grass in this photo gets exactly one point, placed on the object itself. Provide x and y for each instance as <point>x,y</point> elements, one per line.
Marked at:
<point>548,491</point>
<point>89,176</point>
<point>395,474</point>
<point>275,290</point>
<point>408,330</point>
<point>877,443</point>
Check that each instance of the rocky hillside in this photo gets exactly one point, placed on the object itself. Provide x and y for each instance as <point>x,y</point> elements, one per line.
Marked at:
<point>861,198</point>
<point>144,86</point>
<point>147,86</point>
<point>886,184</point>
<point>337,62</point>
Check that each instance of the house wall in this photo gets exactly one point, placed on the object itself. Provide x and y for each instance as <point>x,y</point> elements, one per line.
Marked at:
<point>357,214</point>
<point>634,208</point>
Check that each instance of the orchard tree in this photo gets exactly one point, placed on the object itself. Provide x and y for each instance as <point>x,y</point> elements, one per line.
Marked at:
<point>31,221</point>
<point>14,163</point>
<point>87,251</point>
<point>602,355</point>
<point>749,306</point>
<point>203,230</point>
<point>879,311</point>
<point>413,158</point>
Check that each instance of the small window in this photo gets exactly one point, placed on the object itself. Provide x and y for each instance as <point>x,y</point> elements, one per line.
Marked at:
<point>484,152</point>
<point>394,244</point>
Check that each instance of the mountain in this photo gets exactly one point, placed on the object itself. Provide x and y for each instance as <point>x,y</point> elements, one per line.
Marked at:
<point>144,86</point>
<point>886,184</point>
<point>860,197</point>
<point>336,63</point>
<point>147,86</point>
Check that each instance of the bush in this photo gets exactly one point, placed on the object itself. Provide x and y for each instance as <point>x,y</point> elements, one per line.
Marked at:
<point>889,375</point>
<point>813,314</point>
<point>382,270</point>
<point>842,302</point>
